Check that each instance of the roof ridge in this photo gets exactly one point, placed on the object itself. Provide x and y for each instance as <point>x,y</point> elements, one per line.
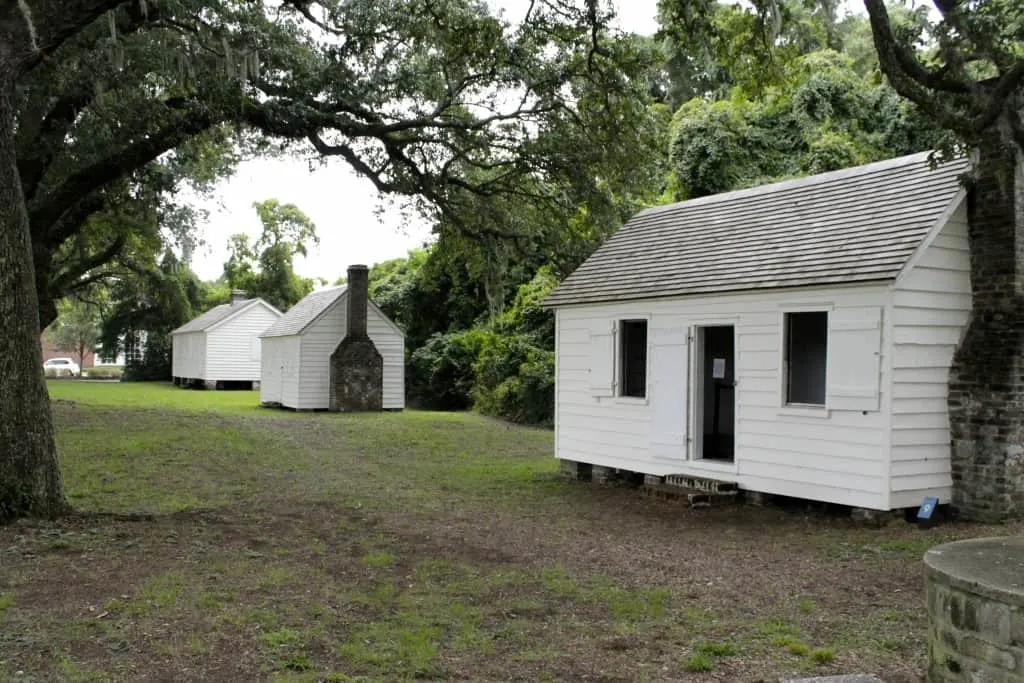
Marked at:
<point>212,320</point>
<point>817,179</point>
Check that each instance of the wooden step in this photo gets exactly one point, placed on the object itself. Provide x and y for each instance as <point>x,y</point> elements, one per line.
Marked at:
<point>690,497</point>
<point>687,481</point>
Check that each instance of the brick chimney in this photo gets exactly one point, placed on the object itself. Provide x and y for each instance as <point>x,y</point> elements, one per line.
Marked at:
<point>237,296</point>
<point>357,369</point>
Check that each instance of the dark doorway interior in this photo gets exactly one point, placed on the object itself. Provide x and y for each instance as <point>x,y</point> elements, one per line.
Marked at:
<point>719,393</point>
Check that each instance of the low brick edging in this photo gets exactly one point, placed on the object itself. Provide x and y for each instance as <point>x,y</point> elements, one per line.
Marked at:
<point>975,603</point>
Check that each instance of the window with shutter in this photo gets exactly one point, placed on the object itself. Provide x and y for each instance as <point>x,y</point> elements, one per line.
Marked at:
<point>602,362</point>
<point>633,358</point>
<point>854,359</point>
<point>805,357</point>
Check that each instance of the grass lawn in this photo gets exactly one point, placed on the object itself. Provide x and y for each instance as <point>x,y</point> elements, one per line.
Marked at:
<point>217,541</point>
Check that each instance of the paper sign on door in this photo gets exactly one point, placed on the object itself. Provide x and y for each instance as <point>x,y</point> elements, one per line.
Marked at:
<point>718,368</point>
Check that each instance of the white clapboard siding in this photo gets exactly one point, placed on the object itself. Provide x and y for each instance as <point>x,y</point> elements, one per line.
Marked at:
<point>233,346</point>
<point>322,337</point>
<point>188,355</point>
<point>839,455</point>
<point>931,305</point>
<point>882,248</point>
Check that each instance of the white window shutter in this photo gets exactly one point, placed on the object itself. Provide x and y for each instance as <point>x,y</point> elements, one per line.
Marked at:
<point>602,361</point>
<point>669,388</point>
<point>854,358</point>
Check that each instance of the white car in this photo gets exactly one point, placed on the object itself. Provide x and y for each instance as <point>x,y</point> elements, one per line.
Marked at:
<point>62,366</point>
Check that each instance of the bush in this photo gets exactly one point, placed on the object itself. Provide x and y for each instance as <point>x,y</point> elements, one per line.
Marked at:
<point>527,314</point>
<point>104,372</point>
<point>506,370</point>
<point>515,380</point>
<point>440,373</point>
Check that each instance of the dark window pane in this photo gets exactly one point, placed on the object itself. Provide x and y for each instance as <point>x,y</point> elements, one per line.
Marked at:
<point>634,358</point>
<point>806,341</point>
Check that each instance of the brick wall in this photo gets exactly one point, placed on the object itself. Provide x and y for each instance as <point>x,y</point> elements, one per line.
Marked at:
<point>986,386</point>
<point>357,368</point>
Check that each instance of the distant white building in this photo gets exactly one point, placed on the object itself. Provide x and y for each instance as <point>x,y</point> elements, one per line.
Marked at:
<point>297,352</point>
<point>792,339</point>
<point>222,346</point>
<point>101,361</point>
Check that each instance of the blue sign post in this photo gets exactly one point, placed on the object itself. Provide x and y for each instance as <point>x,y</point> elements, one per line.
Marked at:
<point>925,512</point>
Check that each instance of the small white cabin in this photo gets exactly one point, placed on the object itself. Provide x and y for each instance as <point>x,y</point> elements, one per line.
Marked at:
<point>222,345</point>
<point>794,339</point>
<point>297,352</point>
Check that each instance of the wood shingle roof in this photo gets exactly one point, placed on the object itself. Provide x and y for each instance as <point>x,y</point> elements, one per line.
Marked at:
<point>859,224</point>
<point>216,315</point>
<point>301,315</point>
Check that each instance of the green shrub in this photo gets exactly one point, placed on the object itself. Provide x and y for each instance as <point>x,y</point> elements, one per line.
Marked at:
<point>505,369</point>
<point>527,314</point>
<point>440,373</point>
<point>515,380</point>
<point>104,372</point>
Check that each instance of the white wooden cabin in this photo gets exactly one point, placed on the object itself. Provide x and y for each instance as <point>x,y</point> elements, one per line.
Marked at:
<point>794,339</point>
<point>297,351</point>
<point>222,345</point>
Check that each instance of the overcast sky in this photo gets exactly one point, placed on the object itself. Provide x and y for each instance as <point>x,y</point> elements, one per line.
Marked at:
<point>339,203</point>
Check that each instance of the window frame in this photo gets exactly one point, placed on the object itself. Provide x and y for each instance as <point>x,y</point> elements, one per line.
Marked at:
<point>785,406</point>
<point>619,360</point>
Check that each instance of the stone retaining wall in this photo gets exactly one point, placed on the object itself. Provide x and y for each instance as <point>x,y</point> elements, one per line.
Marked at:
<point>975,600</point>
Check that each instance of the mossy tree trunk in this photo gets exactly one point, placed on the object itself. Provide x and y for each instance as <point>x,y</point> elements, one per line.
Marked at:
<point>30,481</point>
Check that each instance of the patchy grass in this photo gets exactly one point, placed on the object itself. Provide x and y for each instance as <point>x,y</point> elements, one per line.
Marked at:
<point>219,541</point>
<point>793,645</point>
<point>697,663</point>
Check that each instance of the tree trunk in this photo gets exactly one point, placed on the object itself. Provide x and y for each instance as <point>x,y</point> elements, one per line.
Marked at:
<point>30,482</point>
<point>986,382</point>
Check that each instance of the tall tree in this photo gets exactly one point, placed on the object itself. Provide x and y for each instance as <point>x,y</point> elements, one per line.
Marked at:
<point>146,305</point>
<point>822,116</point>
<point>412,95</point>
<point>969,75</point>
<point>30,481</point>
<point>265,269</point>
